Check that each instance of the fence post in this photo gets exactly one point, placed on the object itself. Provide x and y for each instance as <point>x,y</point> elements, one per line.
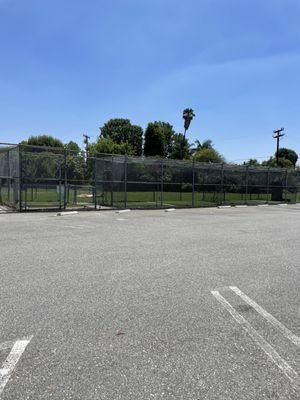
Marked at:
<point>65,178</point>
<point>20,178</point>
<point>9,177</point>
<point>246,183</point>
<point>95,184</point>
<point>286,184</point>
<point>222,183</point>
<point>193,193</point>
<point>59,187</point>
<point>25,180</point>
<point>161,183</point>
<point>125,180</point>
<point>268,185</point>
<point>111,182</point>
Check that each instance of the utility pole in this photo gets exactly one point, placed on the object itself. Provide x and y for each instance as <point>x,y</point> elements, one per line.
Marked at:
<point>277,135</point>
<point>86,141</point>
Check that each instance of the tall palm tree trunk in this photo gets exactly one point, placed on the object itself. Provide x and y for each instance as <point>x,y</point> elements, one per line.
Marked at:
<point>182,144</point>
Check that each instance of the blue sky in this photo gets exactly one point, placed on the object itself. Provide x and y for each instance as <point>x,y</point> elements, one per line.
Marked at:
<point>68,66</point>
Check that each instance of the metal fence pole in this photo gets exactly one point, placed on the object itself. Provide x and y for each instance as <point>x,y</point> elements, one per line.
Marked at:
<point>222,184</point>
<point>111,182</point>
<point>268,184</point>
<point>25,186</point>
<point>286,184</point>
<point>9,177</point>
<point>65,179</point>
<point>25,181</point>
<point>193,193</point>
<point>20,178</point>
<point>59,187</point>
<point>246,183</point>
<point>125,181</point>
<point>161,184</point>
<point>95,184</point>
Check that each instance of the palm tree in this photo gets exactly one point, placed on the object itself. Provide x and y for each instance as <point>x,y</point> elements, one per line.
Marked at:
<point>207,144</point>
<point>188,114</point>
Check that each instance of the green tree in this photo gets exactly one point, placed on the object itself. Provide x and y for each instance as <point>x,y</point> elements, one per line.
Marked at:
<point>42,163</point>
<point>75,162</point>
<point>73,147</point>
<point>121,131</point>
<point>206,144</point>
<point>188,115</point>
<point>43,140</point>
<point>252,162</point>
<point>288,154</point>
<point>107,145</point>
<point>158,139</point>
<point>282,162</point>
<point>180,147</point>
<point>208,155</point>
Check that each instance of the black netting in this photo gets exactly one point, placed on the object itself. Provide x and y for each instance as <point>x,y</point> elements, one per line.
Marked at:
<point>41,177</point>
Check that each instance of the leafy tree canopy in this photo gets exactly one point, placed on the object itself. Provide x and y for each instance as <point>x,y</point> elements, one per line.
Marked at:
<point>43,140</point>
<point>282,162</point>
<point>107,145</point>
<point>73,146</point>
<point>180,147</point>
<point>252,162</point>
<point>208,155</point>
<point>288,154</point>
<point>121,131</point>
<point>206,144</point>
<point>188,114</point>
<point>158,139</point>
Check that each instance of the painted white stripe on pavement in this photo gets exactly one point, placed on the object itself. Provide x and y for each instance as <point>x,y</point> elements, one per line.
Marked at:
<point>123,211</point>
<point>272,320</point>
<point>288,371</point>
<point>11,361</point>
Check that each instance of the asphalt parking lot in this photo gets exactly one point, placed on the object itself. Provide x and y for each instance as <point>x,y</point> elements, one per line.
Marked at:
<point>191,304</point>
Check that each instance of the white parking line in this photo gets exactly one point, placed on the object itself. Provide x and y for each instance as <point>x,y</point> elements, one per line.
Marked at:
<point>272,320</point>
<point>288,371</point>
<point>14,356</point>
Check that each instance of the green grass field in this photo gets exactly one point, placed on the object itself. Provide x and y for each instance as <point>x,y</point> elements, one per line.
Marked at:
<point>51,197</point>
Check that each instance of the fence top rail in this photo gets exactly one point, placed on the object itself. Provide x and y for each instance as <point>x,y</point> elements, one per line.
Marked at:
<point>121,158</point>
<point>8,144</point>
<point>7,147</point>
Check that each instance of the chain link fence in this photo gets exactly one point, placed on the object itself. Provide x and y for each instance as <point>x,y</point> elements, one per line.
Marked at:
<point>9,174</point>
<point>33,178</point>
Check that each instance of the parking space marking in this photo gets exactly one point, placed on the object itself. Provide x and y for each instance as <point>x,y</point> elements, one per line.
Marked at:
<point>288,371</point>
<point>272,320</point>
<point>12,359</point>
